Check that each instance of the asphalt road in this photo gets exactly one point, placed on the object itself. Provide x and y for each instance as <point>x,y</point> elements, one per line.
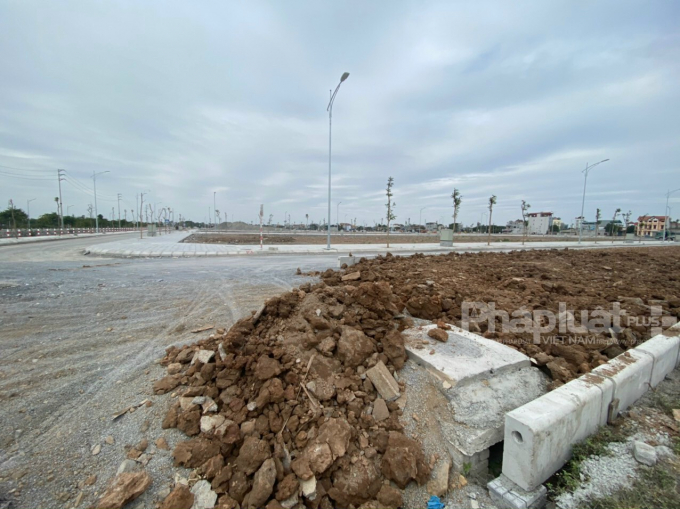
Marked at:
<point>80,338</point>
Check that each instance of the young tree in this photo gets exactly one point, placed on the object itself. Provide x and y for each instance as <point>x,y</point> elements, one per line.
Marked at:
<point>390,206</point>
<point>525,208</point>
<point>492,202</point>
<point>457,198</point>
<point>598,215</point>
<point>614,229</point>
<point>626,217</point>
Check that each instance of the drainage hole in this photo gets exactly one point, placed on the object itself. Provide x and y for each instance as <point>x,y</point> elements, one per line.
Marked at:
<point>518,437</point>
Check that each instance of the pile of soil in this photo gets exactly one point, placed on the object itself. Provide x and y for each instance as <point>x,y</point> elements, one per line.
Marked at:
<point>281,408</point>
<point>435,287</point>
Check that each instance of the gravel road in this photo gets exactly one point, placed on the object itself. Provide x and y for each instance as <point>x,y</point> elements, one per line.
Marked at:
<point>80,340</point>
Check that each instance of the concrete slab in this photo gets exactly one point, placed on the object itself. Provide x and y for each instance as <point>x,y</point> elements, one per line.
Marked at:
<point>664,350</point>
<point>478,407</point>
<point>539,436</point>
<point>465,356</point>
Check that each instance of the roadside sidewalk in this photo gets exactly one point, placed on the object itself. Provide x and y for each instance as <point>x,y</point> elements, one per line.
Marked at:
<point>170,246</point>
<point>28,240</point>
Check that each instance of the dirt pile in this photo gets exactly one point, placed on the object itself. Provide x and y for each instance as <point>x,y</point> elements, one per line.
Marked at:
<point>282,409</point>
<point>644,281</point>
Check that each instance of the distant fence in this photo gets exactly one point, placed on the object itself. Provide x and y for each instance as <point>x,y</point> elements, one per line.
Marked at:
<point>49,232</point>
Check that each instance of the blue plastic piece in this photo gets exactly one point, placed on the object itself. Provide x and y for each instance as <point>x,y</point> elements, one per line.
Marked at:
<point>434,503</point>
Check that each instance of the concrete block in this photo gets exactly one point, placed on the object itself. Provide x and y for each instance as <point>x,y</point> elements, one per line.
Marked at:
<point>507,495</point>
<point>539,435</point>
<point>664,350</point>
<point>384,382</point>
<point>631,373</point>
<point>349,260</point>
<point>465,356</point>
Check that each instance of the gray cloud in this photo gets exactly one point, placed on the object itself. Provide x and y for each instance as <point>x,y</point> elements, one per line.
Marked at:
<point>493,98</point>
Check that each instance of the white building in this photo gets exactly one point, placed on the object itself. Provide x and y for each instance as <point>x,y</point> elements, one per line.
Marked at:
<point>540,223</point>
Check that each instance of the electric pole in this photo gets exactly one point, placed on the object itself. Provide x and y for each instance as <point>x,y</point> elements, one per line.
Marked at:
<point>119,197</point>
<point>141,212</point>
<point>61,176</point>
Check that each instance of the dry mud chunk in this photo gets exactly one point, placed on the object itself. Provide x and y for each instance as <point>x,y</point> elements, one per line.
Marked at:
<point>354,347</point>
<point>125,487</point>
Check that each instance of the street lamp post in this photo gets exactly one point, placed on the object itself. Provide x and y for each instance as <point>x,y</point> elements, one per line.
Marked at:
<point>344,76</point>
<point>337,215</point>
<point>668,195</point>
<point>96,215</point>
<point>28,213</point>
<point>583,201</point>
<point>420,221</point>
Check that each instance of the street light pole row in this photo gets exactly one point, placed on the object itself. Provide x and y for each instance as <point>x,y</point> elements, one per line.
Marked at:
<point>583,202</point>
<point>344,76</point>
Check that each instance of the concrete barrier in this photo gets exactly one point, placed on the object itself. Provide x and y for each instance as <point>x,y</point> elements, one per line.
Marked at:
<point>539,436</point>
<point>664,350</point>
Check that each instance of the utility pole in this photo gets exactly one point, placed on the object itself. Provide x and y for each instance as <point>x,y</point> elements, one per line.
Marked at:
<point>28,213</point>
<point>96,215</point>
<point>215,207</point>
<point>61,176</point>
<point>119,197</point>
<point>141,217</point>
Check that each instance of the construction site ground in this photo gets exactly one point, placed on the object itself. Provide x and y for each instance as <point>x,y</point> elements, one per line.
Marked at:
<point>82,340</point>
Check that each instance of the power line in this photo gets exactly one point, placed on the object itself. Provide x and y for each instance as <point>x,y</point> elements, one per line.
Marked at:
<point>24,177</point>
<point>25,169</point>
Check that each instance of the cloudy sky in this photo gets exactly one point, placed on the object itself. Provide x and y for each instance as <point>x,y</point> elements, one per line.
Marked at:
<point>183,99</point>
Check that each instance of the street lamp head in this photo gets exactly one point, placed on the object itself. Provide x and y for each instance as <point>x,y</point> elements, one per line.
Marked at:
<point>604,160</point>
<point>344,76</point>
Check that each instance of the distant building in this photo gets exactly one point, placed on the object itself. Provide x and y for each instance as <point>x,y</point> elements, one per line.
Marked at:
<point>557,222</point>
<point>648,226</point>
<point>540,223</point>
<point>514,227</point>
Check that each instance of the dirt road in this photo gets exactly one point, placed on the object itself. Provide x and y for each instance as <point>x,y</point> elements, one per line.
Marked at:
<point>80,340</point>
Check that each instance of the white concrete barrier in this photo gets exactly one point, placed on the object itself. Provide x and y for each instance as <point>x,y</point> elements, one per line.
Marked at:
<point>539,435</point>
<point>664,350</point>
<point>631,373</point>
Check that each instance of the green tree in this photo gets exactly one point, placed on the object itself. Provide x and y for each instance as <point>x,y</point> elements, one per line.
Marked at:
<point>457,199</point>
<point>20,218</point>
<point>525,208</point>
<point>492,202</point>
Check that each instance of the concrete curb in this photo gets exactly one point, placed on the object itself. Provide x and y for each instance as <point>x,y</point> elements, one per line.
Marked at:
<point>33,240</point>
<point>539,436</point>
<point>166,252</point>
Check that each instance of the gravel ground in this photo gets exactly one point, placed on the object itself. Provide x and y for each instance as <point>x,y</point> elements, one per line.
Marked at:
<point>647,421</point>
<point>81,338</point>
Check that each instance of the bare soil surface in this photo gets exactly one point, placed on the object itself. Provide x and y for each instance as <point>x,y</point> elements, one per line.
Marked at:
<point>645,282</point>
<point>283,396</point>
<point>348,238</point>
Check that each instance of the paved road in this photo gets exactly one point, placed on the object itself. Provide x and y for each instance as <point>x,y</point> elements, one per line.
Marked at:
<point>80,337</point>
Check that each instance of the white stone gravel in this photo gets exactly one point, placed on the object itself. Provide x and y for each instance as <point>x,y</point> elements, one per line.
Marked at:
<point>602,476</point>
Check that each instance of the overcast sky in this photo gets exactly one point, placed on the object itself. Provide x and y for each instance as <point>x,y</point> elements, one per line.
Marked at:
<point>492,97</point>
